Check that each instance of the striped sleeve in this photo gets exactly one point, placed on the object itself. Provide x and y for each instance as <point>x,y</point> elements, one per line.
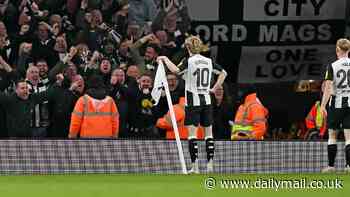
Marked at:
<point>329,73</point>
<point>183,66</point>
<point>217,69</point>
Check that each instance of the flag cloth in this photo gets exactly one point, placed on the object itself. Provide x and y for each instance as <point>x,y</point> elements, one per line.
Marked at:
<point>160,82</point>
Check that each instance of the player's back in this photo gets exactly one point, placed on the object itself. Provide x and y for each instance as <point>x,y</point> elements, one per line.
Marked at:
<point>341,73</point>
<point>341,83</point>
<point>199,73</point>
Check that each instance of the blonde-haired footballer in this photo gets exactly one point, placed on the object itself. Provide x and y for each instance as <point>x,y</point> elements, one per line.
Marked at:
<point>337,89</point>
<point>197,71</point>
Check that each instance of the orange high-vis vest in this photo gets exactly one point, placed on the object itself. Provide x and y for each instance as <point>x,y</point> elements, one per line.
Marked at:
<point>94,118</point>
<point>251,118</point>
<point>165,123</point>
<point>316,119</point>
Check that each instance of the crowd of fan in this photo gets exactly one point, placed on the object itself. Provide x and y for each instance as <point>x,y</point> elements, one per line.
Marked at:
<point>54,47</point>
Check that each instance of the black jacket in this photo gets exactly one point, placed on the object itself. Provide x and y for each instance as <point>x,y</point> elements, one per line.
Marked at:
<point>119,94</point>
<point>141,118</point>
<point>19,112</point>
<point>222,114</point>
<point>61,105</point>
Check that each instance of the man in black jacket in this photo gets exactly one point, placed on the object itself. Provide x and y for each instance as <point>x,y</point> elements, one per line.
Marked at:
<point>118,91</point>
<point>7,76</point>
<point>61,104</point>
<point>141,118</point>
<point>19,109</point>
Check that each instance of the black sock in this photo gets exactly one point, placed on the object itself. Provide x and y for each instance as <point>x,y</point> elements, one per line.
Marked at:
<point>193,147</point>
<point>332,153</point>
<point>347,154</point>
<point>209,145</point>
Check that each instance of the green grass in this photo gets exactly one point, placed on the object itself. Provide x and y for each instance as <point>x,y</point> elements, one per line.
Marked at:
<point>130,185</point>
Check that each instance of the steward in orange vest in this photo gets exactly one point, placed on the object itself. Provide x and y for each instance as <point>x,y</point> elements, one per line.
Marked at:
<point>165,123</point>
<point>95,114</point>
<point>251,120</point>
<point>316,119</point>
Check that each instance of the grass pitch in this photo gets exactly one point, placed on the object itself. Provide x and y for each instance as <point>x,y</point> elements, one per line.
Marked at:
<point>130,185</point>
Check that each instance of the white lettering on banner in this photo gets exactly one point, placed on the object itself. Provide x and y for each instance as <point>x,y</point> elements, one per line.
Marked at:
<point>283,63</point>
<point>305,33</point>
<point>276,10</point>
<point>309,27</point>
<point>239,33</point>
<point>221,33</point>
<point>267,33</point>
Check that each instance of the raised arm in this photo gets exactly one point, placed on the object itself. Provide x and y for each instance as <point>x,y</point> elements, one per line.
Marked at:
<point>171,66</point>
<point>135,47</point>
<point>61,65</point>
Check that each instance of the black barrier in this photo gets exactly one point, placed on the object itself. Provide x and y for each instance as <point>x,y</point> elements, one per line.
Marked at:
<point>158,156</point>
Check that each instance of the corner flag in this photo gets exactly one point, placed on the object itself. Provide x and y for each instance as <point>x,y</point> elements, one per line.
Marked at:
<point>160,82</point>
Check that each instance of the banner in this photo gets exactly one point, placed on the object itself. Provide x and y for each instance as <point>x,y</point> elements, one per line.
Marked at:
<point>283,63</point>
<point>249,32</point>
<point>273,10</point>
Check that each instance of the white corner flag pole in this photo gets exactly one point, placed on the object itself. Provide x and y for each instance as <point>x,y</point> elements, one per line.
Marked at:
<point>176,130</point>
<point>161,82</point>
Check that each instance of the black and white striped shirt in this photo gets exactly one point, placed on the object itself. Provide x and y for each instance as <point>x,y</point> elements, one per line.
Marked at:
<point>40,115</point>
<point>339,73</point>
<point>198,72</point>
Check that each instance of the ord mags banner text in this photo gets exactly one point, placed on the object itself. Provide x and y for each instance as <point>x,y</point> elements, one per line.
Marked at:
<point>272,40</point>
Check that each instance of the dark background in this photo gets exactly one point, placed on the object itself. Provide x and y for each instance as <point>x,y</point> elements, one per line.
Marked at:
<point>285,105</point>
